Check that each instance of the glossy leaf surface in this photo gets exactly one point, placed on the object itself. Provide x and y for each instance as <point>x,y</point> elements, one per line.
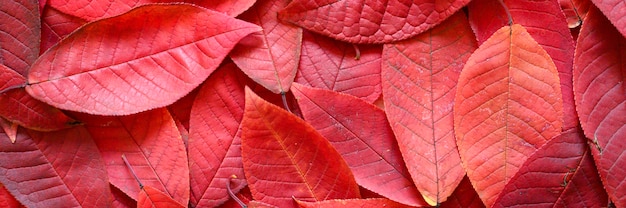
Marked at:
<point>117,66</point>
<point>153,198</point>
<point>505,108</point>
<point>19,34</point>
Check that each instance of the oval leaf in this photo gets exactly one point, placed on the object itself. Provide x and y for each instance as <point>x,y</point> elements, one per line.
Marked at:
<point>123,65</point>
<point>153,198</point>
<point>508,103</point>
<point>361,134</point>
<point>599,75</point>
<point>19,34</point>
<point>419,80</point>
<point>369,21</point>
<point>284,157</point>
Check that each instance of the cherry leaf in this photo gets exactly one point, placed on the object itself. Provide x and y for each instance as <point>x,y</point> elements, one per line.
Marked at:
<point>284,157</point>
<point>419,80</point>
<point>362,203</point>
<point>269,57</point>
<point>615,11</point>
<point>7,200</point>
<point>361,134</point>
<point>600,92</point>
<point>369,21</point>
<point>122,65</point>
<point>54,169</point>
<point>214,140</point>
<point>120,199</point>
<point>464,196</point>
<point>56,25</point>
<point>150,197</point>
<point>508,104</point>
<point>19,34</point>
<point>334,65</point>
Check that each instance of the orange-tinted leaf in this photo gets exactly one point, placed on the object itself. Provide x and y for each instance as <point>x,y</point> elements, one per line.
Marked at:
<point>54,169</point>
<point>284,157</point>
<point>546,23</point>
<point>214,140</point>
<point>153,198</point>
<point>463,197</point>
<point>153,146</point>
<point>19,34</point>
<point>369,21</point>
<point>615,11</point>
<point>599,75</point>
<point>7,200</point>
<point>561,172</point>
<point>331,64</point>
<point>56,25</point>
<point>508,104</point>
<point>419,81</point>
<point>10,129</point>
<point>361,134</point>
<point>270,57</point>
<point>132,63</point>
<point>361,203</point>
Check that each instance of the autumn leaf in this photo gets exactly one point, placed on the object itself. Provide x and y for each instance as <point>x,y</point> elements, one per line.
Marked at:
<point>118,66</point>
<point>419,80</point>
<point>362,203</point>
<point>153,198</point>
<point>507,104</point>
<point>19,34</point>
<point>463,196</point>
<point>599,74</point>
<point>284,157</point>
<point>615,11</point>
<point>7,200</point>
<point>56,25</point>
<point>10,129</point>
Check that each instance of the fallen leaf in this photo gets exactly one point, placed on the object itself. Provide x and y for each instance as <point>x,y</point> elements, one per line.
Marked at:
<point>56,25</point>
<point>10,129</point>
<point>19,34</point>
<point>7,200</point>
<point>120,65</point>
<point>362,203</point>
<point>508,103</point>
<point>464,196</point>
<point>615,12</point>
<point>120,199</point>
<point>153,198</point>
<point>419,79</point>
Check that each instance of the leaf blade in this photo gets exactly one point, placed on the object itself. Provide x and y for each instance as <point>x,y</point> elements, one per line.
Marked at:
<point>20,34</point>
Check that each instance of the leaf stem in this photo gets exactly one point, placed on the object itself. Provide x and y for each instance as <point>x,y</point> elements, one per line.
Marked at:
<point>283,95</point>
<point>132,172</point>
<point>508,13</point>
<point>232,195</point>
<point>12,88</point>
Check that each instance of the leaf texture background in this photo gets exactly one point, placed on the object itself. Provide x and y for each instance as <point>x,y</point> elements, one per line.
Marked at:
<point>153,198</point>
<point>19,34</point>
<point>56,25</point>
<point>615,11</point>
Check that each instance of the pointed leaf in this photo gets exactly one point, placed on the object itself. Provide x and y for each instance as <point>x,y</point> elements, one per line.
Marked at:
<point>330,64</point>
<point>54,169</point>
<point>153,198</point>
<point>214,137</point>
<point>19,34</point>
<point>599,75</point>
<point>362,203</point>
<point>508,103</point>
<point>153,146</point>
<point>123,65</point>
<point>120,199</point>
<point>615,11</point>
<point>464,196</point>
<point>361,134</point>
<point>269,57</point>
<point>10,129</point>
<point>547,175</point>
<point>284,157</point>
<point>369,21</point>
<point>419,80</point>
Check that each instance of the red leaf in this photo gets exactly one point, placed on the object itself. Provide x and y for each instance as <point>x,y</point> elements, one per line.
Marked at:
<point>507,105</point>
<point>362,203</point>
<point>547,175</point>
<point>329,64</point>
<point>575,11</point>
<point>369,21</point>
<point>419,81</point>
<point>181,109</point>
<point>284,157</point>
<point>19,34</point>
<point>232,8</point>
<point>546,23</point>
<point>600,92</point>
<point>361,134</point>
<point>153,198</point>
<point>54,169</point>
<point>463,197</point>
<point>120,199</point>
<point>615,11</point>
<point>214,142</point>
<point>269,57</point>
<point>56,25</point>
<point>132,63</point>
<point>10,129</point>
<point>7,200</point>
<point>153,146</point>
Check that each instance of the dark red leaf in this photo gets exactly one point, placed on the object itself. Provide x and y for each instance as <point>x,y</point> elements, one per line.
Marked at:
<point>361,134</point>
<point>146,58</point>
<point>284,157</point>
<point>120,199</point>
<point>181,109</point>
<point>54,169</point>
<point>56,25</point>
<point>9,128</point>
<point>7,200</point>
<point>599,75</point>
<point>463,197</point>
<point>330,64</point>
<point>369,21</point>
<point>153,198</point>
<point>232,8</point>
<point>419,82</point>
<point>361,203</point>
<point>19,34</point>
<point>615,11</point>
<point>270,57</point>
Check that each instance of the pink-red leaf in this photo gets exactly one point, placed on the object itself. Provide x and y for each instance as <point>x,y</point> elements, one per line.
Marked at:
<point>54,169</point>
<point>508,104</point>
<point>153,198</point>
<point>56,25</point>
<point>334,65</point>
<point>284,157</point>
<point>561,173</point>
<point>615,11</point>
<point>269,57</point>
<point>599,75</point>
<point>153,146</point>
<point>360,203</point>
<point>419,81</point>
<point>19,34</point>
<point>369,21</point>
<point>361,134</point>
<point>143,59</point>
<point>214,137</point>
